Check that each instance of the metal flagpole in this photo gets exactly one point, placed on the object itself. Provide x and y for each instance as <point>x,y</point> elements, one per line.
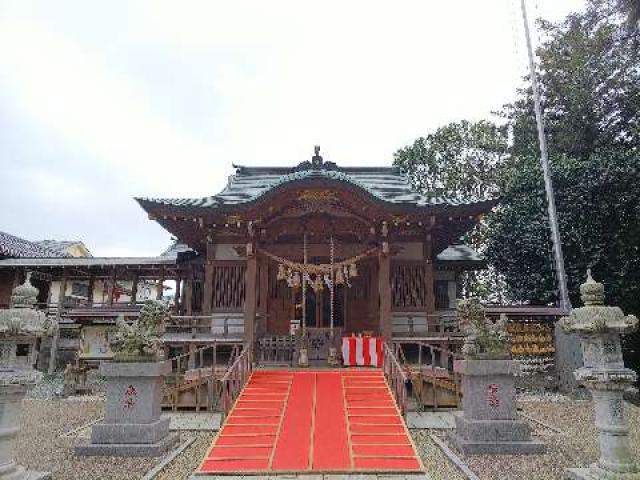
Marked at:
<point>544,160</point>
<point>568,352</point>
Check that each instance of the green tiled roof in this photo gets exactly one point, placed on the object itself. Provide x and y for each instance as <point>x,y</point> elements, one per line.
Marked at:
<point>387,184</point>
<point>459,253</point>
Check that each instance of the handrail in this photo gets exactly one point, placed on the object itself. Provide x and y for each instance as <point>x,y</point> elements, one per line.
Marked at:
<point>396,377</point>
<point>436,382</point>
<point>235,378</point>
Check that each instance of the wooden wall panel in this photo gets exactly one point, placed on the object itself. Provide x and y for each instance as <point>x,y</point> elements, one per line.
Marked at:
<point>228,292</point>
<point>408,286</point>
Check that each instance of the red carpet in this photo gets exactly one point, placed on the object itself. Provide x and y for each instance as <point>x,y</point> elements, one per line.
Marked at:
<point>313,421</point>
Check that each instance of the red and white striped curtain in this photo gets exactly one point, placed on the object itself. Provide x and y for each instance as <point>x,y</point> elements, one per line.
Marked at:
<point>362,351</point>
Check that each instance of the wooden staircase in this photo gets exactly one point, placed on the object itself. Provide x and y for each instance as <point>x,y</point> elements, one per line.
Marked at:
<point>193,385</point>
<point>432,386</point>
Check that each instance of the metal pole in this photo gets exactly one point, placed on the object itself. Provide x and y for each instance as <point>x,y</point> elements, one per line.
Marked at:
<point>568,356</point>
<point>544,160</point>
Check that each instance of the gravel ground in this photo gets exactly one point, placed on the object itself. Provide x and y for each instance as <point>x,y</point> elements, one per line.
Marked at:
<point>577,446</point>
<point>50,387</point>
<point>182,467</point>
<point>437,464</point>
<point>40,446</point>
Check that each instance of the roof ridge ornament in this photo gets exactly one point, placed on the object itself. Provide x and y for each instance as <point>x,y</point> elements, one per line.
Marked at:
<point>316,160</point>
<point>316,163</point>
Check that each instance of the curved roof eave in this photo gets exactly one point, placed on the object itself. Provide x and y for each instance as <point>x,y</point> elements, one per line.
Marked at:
<point>216,203</point>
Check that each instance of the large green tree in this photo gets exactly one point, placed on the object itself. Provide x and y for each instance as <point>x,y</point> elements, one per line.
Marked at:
<point>589,69</point>
<point>460,160</point>
<point>590,85</point>
<point>463,161</point>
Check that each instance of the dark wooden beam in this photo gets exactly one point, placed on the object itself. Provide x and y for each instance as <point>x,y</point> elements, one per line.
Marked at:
<point>429,291</point>
<point>92,281</point>
<point>250,294</point>
<point>111,287</point>
<point>160,290</point>
<point>208,279</point>
<point>188,291</point>
<point>176,299</point>
<point>384,292</point>
<point>134,288</point>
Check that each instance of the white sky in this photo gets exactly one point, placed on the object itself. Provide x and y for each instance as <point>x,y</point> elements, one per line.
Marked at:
<point>103,101</point>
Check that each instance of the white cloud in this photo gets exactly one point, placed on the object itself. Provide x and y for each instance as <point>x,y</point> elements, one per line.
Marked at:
<point>159,98</point>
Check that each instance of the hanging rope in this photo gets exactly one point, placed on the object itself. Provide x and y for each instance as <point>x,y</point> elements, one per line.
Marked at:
<point>317,269</point>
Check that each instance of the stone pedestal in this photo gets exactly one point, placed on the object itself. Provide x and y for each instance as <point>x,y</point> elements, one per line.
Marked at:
<point>489,424</point>
<point>11,396</point>
<point>132,425</point>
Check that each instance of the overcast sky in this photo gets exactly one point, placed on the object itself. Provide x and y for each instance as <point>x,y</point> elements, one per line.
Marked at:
<point>104,101</point>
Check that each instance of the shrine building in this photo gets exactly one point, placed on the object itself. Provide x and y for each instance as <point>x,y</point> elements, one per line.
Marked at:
<point>395,253</point>
<point>283,258</point>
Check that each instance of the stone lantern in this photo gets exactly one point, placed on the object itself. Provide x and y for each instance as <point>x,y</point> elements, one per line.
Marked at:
<point>599,328</point>
<point>20,328</point>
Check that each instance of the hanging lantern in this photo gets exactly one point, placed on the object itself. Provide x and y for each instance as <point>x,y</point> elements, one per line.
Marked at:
<point>281,273</point>
<point>318,284</point>
<point>339,277</point>
<point>296,280</point>
<point>353,270</point>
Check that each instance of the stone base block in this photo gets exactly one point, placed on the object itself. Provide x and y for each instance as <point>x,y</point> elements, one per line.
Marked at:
<point>475,447</point>
<point>144,433</point>
<point>597,473</point>
<point>129,449</point>
<point>492,430</point>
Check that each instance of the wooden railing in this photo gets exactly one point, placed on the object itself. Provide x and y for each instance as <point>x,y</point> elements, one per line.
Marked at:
<point>195,375</point>
<point>276,350</point>
<point>219,325</point>
<point>396,377</point>
<point>193,324</point>
<point>435,381</point>
<point>235,378</point>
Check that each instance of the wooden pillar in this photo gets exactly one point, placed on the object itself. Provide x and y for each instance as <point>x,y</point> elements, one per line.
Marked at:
<point>53,352</point>
<point>384,289</point>
<point>191,362</point>
<point>134,288</point>
<point>250,294</point>
<point>160,286</point>
<point>429,290</point>
<point>208,279</point>
<point>92,282</point>
<point>176,298</point>
<point>18,273</point>
<point>263,288</point>
<point>188,292</point>
<point>111,287</point>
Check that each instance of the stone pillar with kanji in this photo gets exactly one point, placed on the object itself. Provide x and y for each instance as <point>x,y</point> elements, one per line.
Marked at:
<point>599,328</point>
<point>489,423</point>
